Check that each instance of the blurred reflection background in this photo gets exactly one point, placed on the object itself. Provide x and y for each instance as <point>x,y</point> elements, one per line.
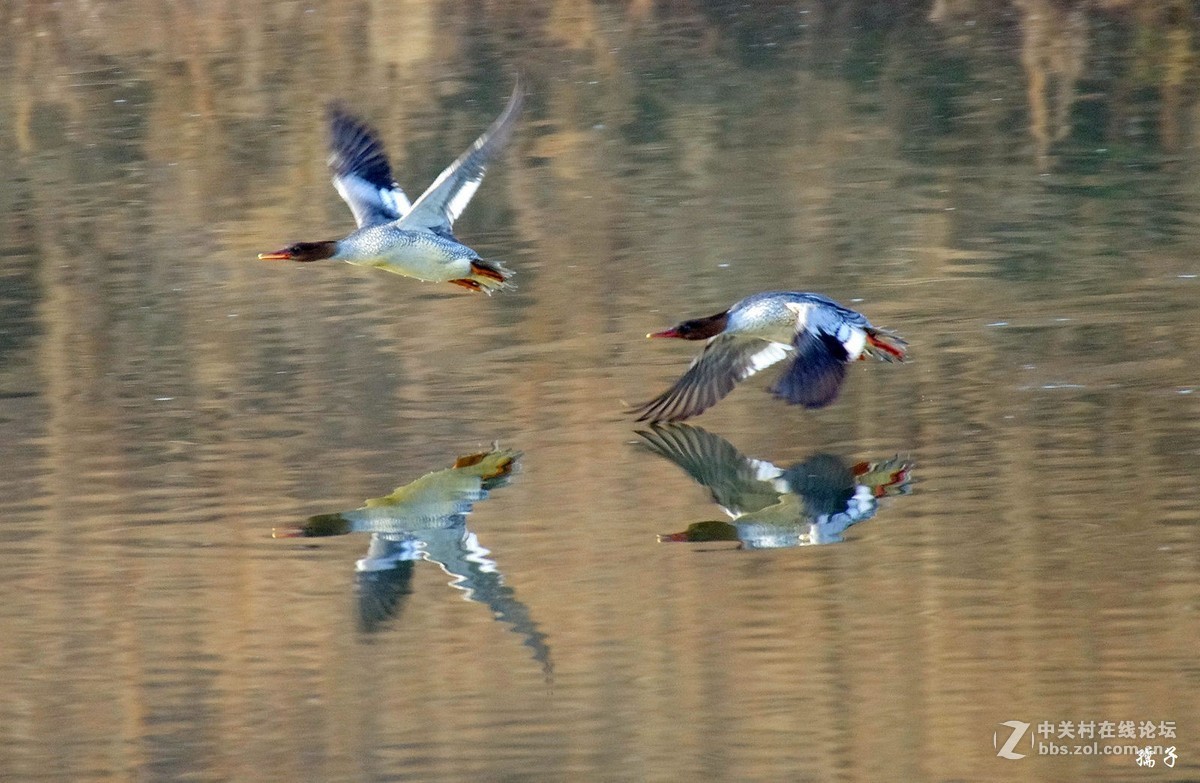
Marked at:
<point>1011,186</point>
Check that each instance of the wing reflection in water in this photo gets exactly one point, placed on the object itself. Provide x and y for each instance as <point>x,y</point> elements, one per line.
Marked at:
<point>427,520</point>
<point>812,502</point>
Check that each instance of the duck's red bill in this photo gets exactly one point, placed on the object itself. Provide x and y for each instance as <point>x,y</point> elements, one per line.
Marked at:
<point>278,255</point>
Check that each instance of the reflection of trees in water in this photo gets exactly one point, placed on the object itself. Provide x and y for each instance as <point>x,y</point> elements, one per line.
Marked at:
<point>152,152</point>
<point>851,130</point>
<point>1054,45</point>
<point>784,125</point>
<point>1130,60</point>
<point>221,58</point>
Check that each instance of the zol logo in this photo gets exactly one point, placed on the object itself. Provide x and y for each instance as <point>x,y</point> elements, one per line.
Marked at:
<point>1006,751</point>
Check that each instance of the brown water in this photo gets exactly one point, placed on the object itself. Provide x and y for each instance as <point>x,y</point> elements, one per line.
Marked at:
<point>1014,190</point>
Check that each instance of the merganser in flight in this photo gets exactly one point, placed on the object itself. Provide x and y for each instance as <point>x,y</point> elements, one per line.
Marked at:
<point>414,239</point>
<point>820,336</point>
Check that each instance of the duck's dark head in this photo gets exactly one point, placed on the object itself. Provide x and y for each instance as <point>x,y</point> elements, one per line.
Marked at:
<point>320,525</point>
<point>697,328</point>
<point>302,251</point>
<point>703,531</point>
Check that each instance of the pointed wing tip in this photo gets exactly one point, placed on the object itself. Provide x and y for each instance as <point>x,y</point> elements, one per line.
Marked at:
<point>725,361</point>
<point>641,409</point>
<point>338,113</point>
<point>664,434</point>
<point>676,404</point>
<point>656,419</point>
<point>648,412</point>
<point>448,196</point>
<point>513,108</point>
<point>519,90</point>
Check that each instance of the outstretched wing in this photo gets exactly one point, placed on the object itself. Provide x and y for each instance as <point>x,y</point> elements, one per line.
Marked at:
<point>443,201</point>
<point>738,483</point>
<point>361,173</point>
<point>727,359</point>
<point>816,374</point>
<point>461,556</point>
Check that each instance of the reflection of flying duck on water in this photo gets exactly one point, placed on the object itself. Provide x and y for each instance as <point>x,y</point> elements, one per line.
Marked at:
<point>426,520</point>
<point>812,502</point>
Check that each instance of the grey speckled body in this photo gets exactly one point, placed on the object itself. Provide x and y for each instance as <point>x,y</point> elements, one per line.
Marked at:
<point>776,315</point>
<point>416,238</point>
<point>421,254</point>
<point>818,335</point>
<point>440,508</point>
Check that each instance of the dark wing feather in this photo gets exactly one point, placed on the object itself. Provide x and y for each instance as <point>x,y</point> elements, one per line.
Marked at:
<point>736,482</point>
<point>443,201</point>
<point>382,594</point>
<point>727,359</point>
<point>816,374</point>
<point>361,172</point>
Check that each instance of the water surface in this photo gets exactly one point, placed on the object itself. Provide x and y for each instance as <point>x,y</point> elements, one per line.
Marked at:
<point>1013,189</point>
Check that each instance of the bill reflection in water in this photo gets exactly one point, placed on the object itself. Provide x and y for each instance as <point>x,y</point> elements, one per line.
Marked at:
<point>427,520</point>
<point>811,502</point>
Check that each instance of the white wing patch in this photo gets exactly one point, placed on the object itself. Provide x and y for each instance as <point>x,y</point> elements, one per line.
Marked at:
<point>396,200</point>
<point>770,473</point>
<point>444,200</point>
<point>367,201</point>
<point>772,353</point>
<point>763,470</point>
<point>458,202</point>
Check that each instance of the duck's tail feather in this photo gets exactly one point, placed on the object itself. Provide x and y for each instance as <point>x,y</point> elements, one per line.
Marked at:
<point>886,345</point>
<point>886,477</point>
<point>493,467</point>
<point>487,276</point>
